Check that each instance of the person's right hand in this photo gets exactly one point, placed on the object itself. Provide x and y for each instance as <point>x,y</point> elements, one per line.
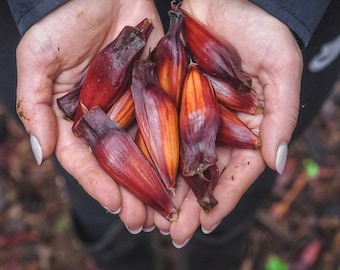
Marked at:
<point>51,56</point>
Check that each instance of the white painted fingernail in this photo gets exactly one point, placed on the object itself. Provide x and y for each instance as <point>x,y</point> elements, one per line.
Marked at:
<point>36,149</point>
<point>205,231</point>
<point>149,229</point>
<point>134,231</point>
<point>256,131</point>
<point>179,246</point>
<point>164,232</point>
<point>112,212</point>
<point>281,157</point>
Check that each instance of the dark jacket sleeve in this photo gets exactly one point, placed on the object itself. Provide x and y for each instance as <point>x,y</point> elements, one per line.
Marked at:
<point>301,16</point>
<point>28,12</point>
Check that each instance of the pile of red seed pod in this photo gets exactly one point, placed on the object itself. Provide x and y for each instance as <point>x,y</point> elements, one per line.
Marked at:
<point>183,98</point>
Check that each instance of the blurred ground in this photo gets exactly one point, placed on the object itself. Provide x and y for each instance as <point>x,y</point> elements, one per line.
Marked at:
<point>35,230</point>
<point>299,227</point>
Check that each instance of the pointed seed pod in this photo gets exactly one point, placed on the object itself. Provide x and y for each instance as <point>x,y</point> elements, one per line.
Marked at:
<point>109,73</point>
<point>142,146</point>
<point>123,110</point>
<point>226,94</point>
<point>157,119</point>
<point>120,157</point>
<point>233,132</point>
<point>145,26</point>
<point>203,186</point>
<point>171,58</point>
<point>215,56</point>
<point>198,123</point>
<point>69,102</point>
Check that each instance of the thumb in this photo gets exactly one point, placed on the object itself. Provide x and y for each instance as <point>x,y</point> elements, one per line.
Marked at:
<point>34,104</point>
<point>282,99</point>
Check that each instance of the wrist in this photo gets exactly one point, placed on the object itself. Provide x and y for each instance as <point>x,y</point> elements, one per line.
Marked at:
<point>27,13</point>
<point>298,40</point>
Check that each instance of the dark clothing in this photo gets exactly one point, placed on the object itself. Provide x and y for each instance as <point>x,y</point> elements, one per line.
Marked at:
<point>9,39</point>
<point>28,12</point>
<point>317,83</point>
<point>301,16</point>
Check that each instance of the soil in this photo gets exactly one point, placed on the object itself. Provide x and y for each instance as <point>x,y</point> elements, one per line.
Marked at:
<point>299,228</point>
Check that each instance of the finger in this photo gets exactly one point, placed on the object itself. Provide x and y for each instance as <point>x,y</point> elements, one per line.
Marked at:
<point>182,230</point>
<point>177,198</point>
<point>182,189</point>
<point>74,155</point>
<point>133,212</point>
<point>243,168</point>
<point>149,224</point>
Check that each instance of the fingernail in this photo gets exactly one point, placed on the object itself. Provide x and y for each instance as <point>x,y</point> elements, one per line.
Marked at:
<point>112,212</point>
<point>134,231</point>
<point>36,149</point>
<point>179,246</point>
<point>207,231</point>
<point>281,157</point>
<point>256,131</point>
<point>149,229</point>
<point>164,232</point>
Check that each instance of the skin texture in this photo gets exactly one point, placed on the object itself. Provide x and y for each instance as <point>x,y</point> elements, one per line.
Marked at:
<point>58,50</point>
<point>272,58</point>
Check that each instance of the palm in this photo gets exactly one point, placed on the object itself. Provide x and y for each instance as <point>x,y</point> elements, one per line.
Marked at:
<point>58,48</point>
<point>271,57</point>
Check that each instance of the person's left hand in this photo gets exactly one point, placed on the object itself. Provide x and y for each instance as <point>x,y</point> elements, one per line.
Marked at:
<point>271,56</point>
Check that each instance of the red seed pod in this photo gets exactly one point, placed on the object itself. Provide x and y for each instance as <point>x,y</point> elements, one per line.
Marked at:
<point>171,58</point>
<point>120,157</point>
<point>157,119</point>
<point>226,94</point>
<point>215,56</point>
<point>233,132</point>
<point>198,123</point>
<point>203,186</point>
<point>123,110</point>
<point>109,73</point>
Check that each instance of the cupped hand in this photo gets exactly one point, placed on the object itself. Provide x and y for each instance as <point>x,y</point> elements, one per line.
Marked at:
<point>51,56</point>
<point>270,55</point>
